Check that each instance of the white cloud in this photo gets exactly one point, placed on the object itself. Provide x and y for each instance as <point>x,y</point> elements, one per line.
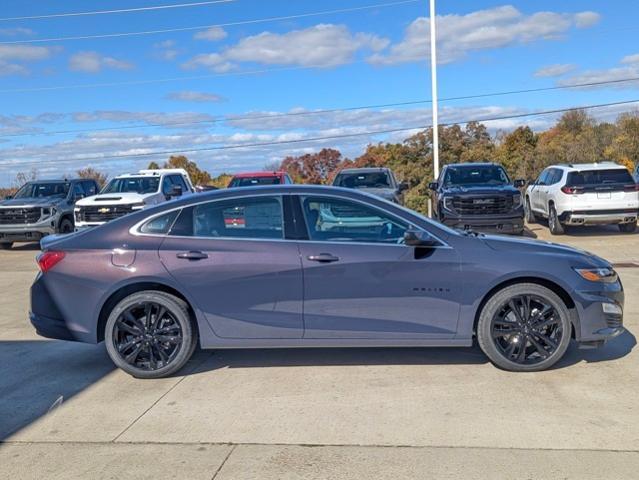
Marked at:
<point>555,70</point>
<point>12,57</point>
<point>630,59</point>
<point>93,62</point>
<point>14,32</point>
<point>458,35</point>
<point>212,34</point>
<point>167,50</point>
<point>192,96</point>
<point>323,44</point>
<point>7,68</point>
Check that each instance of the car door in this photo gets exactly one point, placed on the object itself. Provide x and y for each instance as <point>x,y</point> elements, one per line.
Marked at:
<point>232,258</point>
<point>361,281</point>
<point>539,191</point>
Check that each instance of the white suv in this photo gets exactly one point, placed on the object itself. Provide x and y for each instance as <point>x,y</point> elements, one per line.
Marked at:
<point>584,194</point>
<point>131,192</point>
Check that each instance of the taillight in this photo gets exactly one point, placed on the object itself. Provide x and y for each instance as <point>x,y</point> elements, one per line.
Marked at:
<point>631,188</point>
<point>571,190</point>
<point>48,260</point>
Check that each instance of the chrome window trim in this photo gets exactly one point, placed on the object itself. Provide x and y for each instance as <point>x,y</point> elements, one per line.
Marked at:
<point>134,230</point>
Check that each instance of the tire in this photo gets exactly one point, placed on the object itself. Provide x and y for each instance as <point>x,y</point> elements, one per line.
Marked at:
<point>152,358</point>
<point>500,334</point>
<point>6,246</point>
<point>66,226</point>
<point>628,227</point>
<point>554,225</point>
<point>530,215</point>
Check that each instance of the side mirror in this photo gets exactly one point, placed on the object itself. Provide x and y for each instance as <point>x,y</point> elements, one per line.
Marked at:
<point>433,186</point>
<point>176,191</point>
<point>519,183</point>
<point>8,197</point>
<point>78,196</point>
<point>419,238</point>
<point>402,187</point>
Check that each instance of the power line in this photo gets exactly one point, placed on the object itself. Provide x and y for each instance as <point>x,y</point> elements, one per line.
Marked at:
<point>329,137</point>
<point>121,10</point>
<point>234,118</point>
<point>204,27</point>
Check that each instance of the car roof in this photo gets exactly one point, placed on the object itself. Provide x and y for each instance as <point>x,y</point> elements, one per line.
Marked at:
<point>473,164</point>
<point>578,167</point>
<point>365,170</point>
<point>57,180</point>
<point>259,174</point>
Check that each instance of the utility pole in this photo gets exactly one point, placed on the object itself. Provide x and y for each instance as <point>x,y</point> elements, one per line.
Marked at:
<point>435,109</point>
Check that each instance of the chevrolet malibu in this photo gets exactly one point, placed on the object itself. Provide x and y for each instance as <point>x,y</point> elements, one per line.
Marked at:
<point>304,266</point>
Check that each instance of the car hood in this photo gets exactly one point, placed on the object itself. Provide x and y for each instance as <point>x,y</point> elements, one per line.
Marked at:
<point>481,190</point>
<point>31,202</point>
<point>114,199</point>
<point>533,247</point>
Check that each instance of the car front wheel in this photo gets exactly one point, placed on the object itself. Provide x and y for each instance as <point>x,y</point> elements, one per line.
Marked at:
<point>524,328</point>
<point>530,215</point>
<point>150,334</point>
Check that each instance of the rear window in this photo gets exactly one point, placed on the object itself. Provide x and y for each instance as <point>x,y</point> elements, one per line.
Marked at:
<point>254,181</point>
<point>599,177</point>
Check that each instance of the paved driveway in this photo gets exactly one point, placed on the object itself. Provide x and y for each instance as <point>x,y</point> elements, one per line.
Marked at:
<point>395,413</point>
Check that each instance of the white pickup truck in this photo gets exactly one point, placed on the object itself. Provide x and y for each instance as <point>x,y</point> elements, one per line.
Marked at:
<point>131,192</point>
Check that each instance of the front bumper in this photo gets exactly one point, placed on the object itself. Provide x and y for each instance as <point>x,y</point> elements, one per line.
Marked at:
<point>597,323</point>
<point>29,232</point>
<point>511,223</point>
<point>599,217</point>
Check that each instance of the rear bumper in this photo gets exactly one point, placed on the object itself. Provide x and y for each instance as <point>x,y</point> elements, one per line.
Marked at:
<point>511,223</point>
<point>599,217</point>
<point>48,327</point>
<point>45,316</point>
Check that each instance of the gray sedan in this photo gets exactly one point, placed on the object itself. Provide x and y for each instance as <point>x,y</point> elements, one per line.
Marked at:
<point>304,266</point>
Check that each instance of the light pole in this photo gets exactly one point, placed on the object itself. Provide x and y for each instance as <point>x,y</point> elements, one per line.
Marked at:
<point>433,76</point>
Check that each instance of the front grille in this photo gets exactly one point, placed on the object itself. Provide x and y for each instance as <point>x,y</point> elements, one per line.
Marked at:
<point>103,213</point>
<point>13,216</point>
<point>495,205</point>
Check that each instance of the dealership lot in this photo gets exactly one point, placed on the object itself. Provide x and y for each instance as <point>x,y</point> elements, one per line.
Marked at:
<point>401,413</point>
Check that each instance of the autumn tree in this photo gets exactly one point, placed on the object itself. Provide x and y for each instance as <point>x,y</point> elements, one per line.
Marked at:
<point>93,174</point>
<point>198,176</point>
<point>315,168</point>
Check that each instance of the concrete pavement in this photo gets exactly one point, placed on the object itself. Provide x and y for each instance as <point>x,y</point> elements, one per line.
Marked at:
<point>65,412</point>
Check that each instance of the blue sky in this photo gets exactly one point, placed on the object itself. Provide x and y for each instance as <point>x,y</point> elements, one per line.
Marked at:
<point>340,60</point>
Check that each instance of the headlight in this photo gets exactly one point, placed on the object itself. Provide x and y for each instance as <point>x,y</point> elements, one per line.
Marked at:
<point>605,275</point>
<point>48,211</point>
<point>448,203</point>
<point>517,200</point>
<point>138,206</point>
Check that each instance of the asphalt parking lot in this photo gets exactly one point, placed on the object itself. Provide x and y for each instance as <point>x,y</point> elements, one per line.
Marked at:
<point>65,412</point>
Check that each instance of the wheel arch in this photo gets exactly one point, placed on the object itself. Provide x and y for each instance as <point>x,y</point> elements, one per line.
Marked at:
<point>65,216</point>
<point>131,288</point>
<point>544,282</point>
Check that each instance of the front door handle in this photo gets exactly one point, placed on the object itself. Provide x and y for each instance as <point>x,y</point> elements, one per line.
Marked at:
<point>323,258</point>
<point>192,255</point>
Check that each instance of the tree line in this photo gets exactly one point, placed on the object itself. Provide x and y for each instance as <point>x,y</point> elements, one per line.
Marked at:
<point>576,137</point>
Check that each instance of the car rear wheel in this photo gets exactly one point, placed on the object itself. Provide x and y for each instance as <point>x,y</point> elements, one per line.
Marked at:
<point>628,227</point>
<point>554,225</point>
<point>524,328</point>
<point>530,216</point>
<point>150,334</point>
<point>6,246</point>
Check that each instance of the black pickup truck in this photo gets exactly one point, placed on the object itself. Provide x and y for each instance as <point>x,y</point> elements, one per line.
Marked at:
<point>478,196</point>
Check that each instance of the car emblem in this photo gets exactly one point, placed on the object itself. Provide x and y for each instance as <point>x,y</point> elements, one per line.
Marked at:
<point>483,201</point>
<point>104,210</point>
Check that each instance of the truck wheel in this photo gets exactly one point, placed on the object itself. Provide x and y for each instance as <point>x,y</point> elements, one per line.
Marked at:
<point>66,226</point>
<point>6,246</point>
<point>530,216</point>
<point>628,227</point>
<point>554,225</point>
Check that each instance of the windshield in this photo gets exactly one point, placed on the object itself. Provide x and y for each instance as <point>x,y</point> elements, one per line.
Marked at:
<point>133,184</point>
<point>597,177</point>
<point>363,180</point>
<point>254,181</point>
<point>43,189</point>
<point>484,175</point>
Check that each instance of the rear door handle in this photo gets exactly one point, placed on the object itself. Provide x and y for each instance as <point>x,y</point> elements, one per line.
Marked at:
<point>192,255</point>
<point>323,258</point>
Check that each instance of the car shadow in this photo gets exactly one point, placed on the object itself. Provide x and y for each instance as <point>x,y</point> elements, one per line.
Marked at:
<point>614,349</point>
<point>26,247</point>
<point>38,375</point>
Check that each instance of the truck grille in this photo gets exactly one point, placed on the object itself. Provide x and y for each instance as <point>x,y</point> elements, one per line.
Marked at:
<point>103,213</point>
<point>13,216</point>
<point>483,205</point>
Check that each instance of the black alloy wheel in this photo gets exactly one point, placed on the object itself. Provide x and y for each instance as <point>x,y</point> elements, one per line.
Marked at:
<point>524,327</point>
<point>147,336</point>
<point>527,329</point>
<point>150,334</point>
